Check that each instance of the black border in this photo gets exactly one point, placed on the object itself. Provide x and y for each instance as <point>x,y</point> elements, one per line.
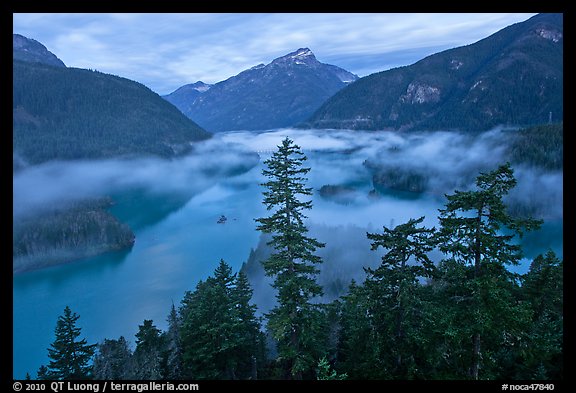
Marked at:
<point>295,6</point>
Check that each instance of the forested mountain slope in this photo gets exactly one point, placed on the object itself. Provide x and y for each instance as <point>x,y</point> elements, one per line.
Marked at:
<point>513,77</point>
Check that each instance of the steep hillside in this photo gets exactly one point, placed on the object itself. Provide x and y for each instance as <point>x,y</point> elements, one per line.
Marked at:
<point>513,77</point>
<point>64,113</point>
<point>69,113</point>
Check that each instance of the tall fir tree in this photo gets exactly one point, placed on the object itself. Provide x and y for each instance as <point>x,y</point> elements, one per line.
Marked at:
<point>294,322</point>
<point>477,234</point>
<point>394,297</point>
<point>69,357</point>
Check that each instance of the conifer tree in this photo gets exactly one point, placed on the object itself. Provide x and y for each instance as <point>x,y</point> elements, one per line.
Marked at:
<point>219,328</point>
<point>295,320</point>
<point>147,358</point>
<point>393,293</point>
<point>69,357</point>
<point>478,235</point>
<point>326,373</point>
<point>173,346</point>
<point>358,351</point>
<point>250,351</point>
<point>541,355</point>
<point>42,373</point>
<point>112,359</point>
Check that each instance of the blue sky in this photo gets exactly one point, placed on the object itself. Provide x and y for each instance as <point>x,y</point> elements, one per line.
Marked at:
<point>165,51</point>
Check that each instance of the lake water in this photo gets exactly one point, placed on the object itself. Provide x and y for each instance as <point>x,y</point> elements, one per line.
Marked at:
<point>114,293</point>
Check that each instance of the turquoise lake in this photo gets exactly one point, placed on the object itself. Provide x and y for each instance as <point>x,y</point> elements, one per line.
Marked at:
<point>183,242</point>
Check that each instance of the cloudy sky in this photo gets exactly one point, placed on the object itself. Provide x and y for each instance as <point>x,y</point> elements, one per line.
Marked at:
<point>165,51</point>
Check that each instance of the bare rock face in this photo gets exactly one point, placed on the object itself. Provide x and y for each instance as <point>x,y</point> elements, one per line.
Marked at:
<point>419,93</point>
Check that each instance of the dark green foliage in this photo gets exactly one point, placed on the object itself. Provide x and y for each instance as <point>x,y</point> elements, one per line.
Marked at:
<point>542,351</point>
<point>513,77</point>
<point>468,317</point>
<point>295,321</point>
<point>472,222</point>
<point>396,178</point>
<point>539,146</point>
<point>251,351</point>
<point>476,321</point>
<point>326,373</point>
<point>70,113</point>
<point>472,318</point>
<point>358,353</point>
<point>43,373</point>
<point>383,319</point>
<point>112,360</point>
<point>69,357</point>
<point>393,294</point>
<point>220,333</point>
<point>471,234</point>
<point>148,358</point>
<point>174,348</point>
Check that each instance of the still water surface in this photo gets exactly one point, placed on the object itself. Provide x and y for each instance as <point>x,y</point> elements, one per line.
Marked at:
<point>114,293</point>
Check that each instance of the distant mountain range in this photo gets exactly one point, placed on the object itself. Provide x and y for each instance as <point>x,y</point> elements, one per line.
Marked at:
<point>513,77</point>
<point>283,93</point>
<point>184,96</point>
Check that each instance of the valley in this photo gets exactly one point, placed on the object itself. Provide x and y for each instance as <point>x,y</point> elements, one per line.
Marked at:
<point>422,238</point>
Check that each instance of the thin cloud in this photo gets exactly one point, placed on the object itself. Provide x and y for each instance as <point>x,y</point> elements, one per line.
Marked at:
<point>166,51</point>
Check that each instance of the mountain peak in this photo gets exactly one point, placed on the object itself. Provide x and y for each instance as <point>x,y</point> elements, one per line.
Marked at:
<point>300,56</point>
<point>302,52</point>
<point>29,50</point>
<point>278,94</point>
<point>200,86</point>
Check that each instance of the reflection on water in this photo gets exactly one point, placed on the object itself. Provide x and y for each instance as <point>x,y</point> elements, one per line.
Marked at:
<point>58,275</point>
<point>179,241</point>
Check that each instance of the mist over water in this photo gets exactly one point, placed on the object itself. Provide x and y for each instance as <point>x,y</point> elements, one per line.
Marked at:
<point>114,293</point>
<point>56,183</point>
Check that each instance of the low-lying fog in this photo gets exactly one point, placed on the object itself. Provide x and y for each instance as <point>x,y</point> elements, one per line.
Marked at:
<point>451,159</point>
<point>222,177</point>
<point>56,183</point>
